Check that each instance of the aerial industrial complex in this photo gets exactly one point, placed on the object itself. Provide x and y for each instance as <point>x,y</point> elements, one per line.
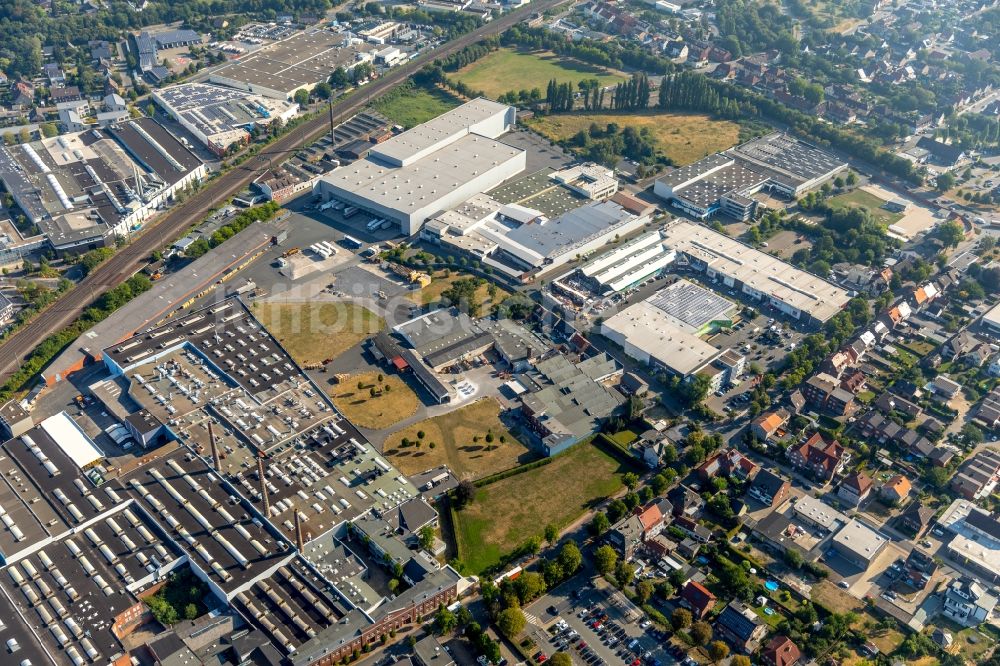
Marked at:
<point>84,189</point>
<point>430,168</point>
<point>221,117</point>
<point>252,480</point>
<point>726,182</point>
<point>299,62</point>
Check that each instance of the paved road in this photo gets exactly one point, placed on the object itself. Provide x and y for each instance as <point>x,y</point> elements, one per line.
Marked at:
<point>171,225</point>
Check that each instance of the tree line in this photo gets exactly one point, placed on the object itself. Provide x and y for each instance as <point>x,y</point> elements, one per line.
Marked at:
<point>690,91</point>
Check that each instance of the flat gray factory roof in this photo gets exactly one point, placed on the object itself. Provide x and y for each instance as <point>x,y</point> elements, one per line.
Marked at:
<point>70,495</point>
<point>732,178</point>
<point>697,169</point>
<point>691,305</point>
<point>303,59</point>
<point>654,332</point>
<point>788,159</point>
<point>768,275</point>
<point>14,628</point>
<point>448,125</point>
<point>226,335</point>
<point>571,229</point>
<point>426,180</point>
<point>443,324</point>
<point>144,138</point>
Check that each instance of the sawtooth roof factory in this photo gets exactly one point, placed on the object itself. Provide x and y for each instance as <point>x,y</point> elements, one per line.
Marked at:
<point>300,62</point>
<point>726,182</point>
<point>248,476</point>
<point>430,168</point>
<point>220,117</point>
<point>84,189</point>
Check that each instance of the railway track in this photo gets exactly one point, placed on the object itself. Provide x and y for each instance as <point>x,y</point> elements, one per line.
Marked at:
<point>175,221</point>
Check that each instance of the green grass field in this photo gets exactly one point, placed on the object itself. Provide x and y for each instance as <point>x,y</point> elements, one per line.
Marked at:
<point>506,70</point>
<point>862,199</point>
<point>415,105</point>
<point>507,513</point>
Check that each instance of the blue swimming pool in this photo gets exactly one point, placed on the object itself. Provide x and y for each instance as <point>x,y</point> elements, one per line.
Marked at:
<point>771,585</point>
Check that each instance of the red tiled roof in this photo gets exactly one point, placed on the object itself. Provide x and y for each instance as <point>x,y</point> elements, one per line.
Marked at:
<point>698,596</point>
<point>782,651</point>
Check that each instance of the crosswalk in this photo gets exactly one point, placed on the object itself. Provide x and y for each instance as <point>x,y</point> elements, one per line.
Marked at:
<point>534,619</point>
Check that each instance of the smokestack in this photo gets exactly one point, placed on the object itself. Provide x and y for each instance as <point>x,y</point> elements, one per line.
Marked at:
<point>263,485</point>
<point>215,449</point>
<point>299,543</point>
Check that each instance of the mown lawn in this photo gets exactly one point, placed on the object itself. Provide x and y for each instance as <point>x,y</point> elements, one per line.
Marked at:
<point>313,332</point>
<point>683,137</point>
<point>507,69</point>
<point>415,105</point>
<point>505,514</point>
<point>459,441</point>
<point>394,400</point>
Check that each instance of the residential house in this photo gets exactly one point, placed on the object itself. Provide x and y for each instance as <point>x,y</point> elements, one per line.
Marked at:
<point>889,402</point>
<point>988,411</point>
<point>959,345</point>
<point>769,489</point>
<point>968,603</point>
<point>979,355</point>
<point>740,627</point>
<point>22,96</point>
<point>690,526</point>
<point>650,448</point>
<point>835,364</point>
<point>943,388</point>
<point>854,381</point>
<point>781,651</point>
<point>818,456</point>
<point>730,464</point>
<point>768,425</point>
<point>977,476</point>
<point>855,488</point>
<point>797,401</point>
<point>916,519</point>
<point>944,153</point>
<point>685,501</point>
<point>697,599</point>
<point>823,390</point>
<point>629,533</point>
<point>896,489</point>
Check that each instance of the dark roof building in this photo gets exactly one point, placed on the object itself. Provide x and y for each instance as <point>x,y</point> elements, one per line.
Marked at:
<point>740,627</point>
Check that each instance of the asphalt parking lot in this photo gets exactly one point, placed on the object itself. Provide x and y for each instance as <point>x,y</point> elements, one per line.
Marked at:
<point>615,629</point>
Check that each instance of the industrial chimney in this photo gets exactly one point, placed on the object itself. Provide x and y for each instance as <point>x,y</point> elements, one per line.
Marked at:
<point>263,485</point>
<point>215,449</point>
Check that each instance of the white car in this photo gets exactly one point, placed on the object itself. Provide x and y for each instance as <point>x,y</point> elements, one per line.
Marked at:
<point>645,624</point>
